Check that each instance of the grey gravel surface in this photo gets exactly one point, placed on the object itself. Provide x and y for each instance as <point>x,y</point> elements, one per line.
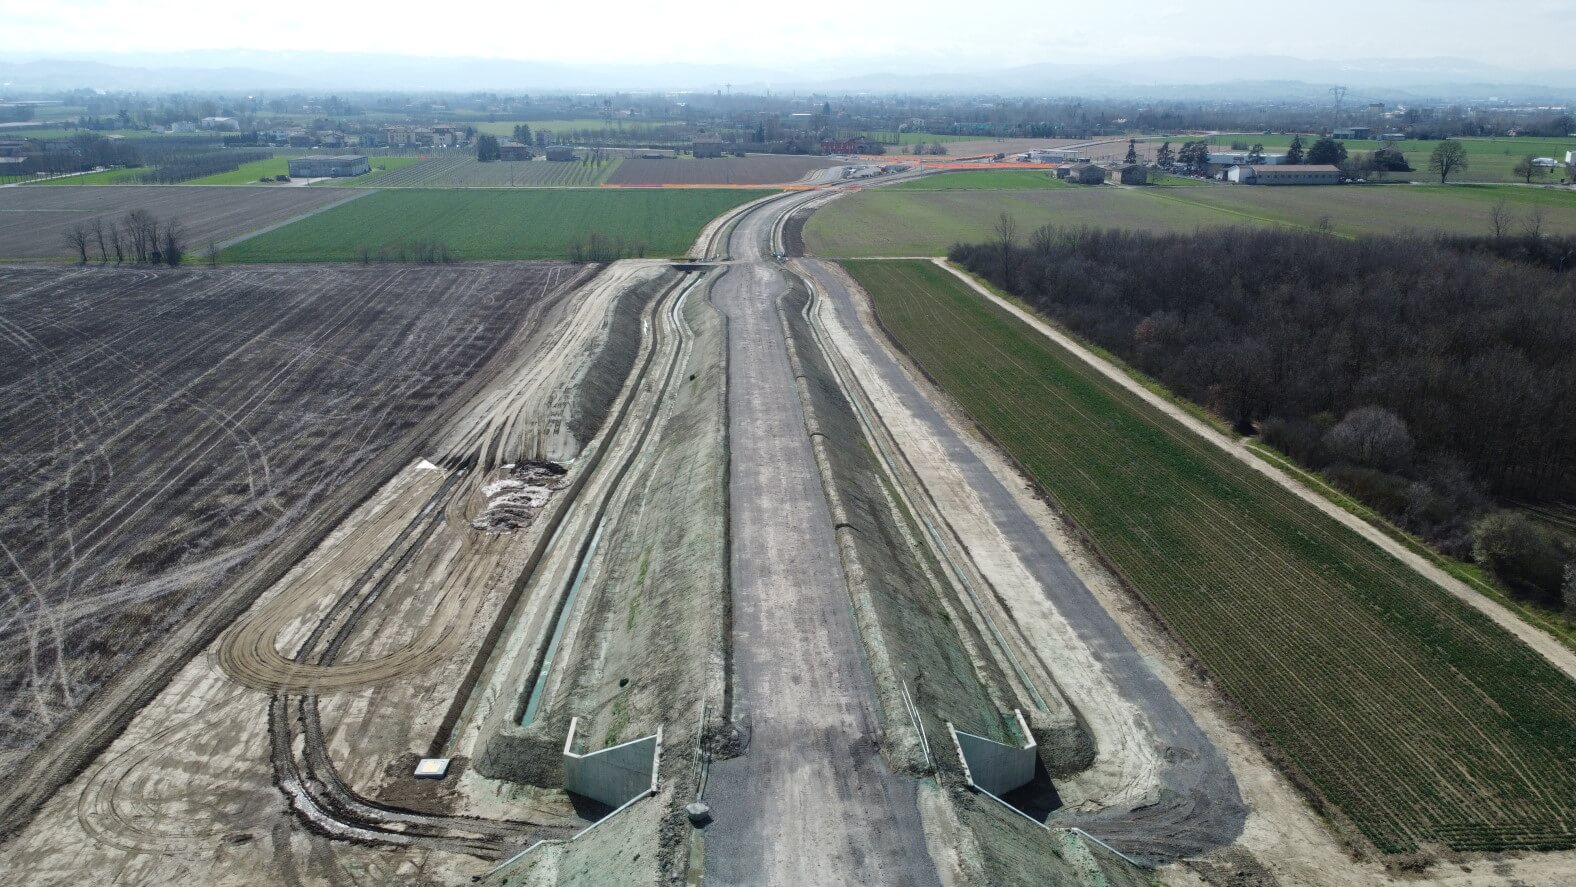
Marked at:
<point>811,801</point>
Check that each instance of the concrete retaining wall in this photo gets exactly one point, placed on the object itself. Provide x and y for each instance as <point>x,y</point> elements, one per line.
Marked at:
<point>613,775</point>
<point>993,767</point>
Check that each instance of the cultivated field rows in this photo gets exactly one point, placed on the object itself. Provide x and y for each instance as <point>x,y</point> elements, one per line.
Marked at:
<point>1369,680</point>
<point>33,221</point>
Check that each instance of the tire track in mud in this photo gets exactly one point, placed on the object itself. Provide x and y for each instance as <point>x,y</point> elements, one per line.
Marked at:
<point>109,711</point>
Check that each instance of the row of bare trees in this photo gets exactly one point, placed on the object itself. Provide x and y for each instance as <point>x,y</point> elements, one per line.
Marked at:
<point>1433,379</point>
<point>139,237</point>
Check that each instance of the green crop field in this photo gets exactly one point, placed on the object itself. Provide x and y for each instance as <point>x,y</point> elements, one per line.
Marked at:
<point>984,180</point>
<point>1413,714</point>
<point>463,170</point>
<point>118,176</point>
<point>247,173</point>
<point>495,224</point>
<point>888,222</point>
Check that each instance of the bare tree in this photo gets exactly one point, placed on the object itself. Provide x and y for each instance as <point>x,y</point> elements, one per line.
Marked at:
<point>77,238</point>
<point>142,229</point>
<point>1527,167</point>
<point>173,243</point>
<point>97,227</point>
<point>1499,218</point>
<point>1006,230</point>
<point>1568,592</point>
<point>117,243</point>
<point>213,254</point>
<point>1534,224</point>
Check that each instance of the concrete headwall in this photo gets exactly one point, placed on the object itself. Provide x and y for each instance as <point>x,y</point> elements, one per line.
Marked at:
<point>613,775</point>
<point>992,766</point>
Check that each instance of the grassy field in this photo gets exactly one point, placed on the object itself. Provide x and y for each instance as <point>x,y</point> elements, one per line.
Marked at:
<point>118,176</point>
<point>495,224</point>
<point>463,170</point>
<point>890,222</point>
<point>247,173</point>
<point>1410,712</point>
<point>984,180</point>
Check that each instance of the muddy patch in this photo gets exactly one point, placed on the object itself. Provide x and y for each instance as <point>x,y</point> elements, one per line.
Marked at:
<point>515,499</point>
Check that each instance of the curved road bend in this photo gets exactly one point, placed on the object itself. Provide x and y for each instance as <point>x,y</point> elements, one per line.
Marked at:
<point>1200,807</point>
<point>811,801</point>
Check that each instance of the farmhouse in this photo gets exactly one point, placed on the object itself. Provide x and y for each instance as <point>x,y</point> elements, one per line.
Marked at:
<point>1285,174</point>
<point>1129,174</point>
<point>1082,174</point>
<point>332,165</point>
<point>1220,161</point>
<point>509,149</point>
<point>560,152</point>
<point>707,146</point>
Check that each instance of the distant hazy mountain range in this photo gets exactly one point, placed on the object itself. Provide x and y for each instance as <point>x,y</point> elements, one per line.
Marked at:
<point>1246,77</point>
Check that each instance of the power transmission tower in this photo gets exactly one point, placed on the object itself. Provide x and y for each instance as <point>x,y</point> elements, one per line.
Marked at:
<point>1338,93</point>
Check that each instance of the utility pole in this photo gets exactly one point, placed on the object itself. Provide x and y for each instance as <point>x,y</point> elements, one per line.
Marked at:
<point>1338,93</point>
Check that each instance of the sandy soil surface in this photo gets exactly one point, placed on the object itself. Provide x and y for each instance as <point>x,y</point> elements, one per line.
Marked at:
<point>387,614</point>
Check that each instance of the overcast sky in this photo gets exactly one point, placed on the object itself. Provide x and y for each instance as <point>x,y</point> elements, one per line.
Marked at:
<point>1527,35</point>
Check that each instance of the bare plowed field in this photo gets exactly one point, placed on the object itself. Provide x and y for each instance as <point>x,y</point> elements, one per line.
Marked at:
<point>464,171</point>
<point>33,221</point>
<point>160,430</point>
<point>756,169</point>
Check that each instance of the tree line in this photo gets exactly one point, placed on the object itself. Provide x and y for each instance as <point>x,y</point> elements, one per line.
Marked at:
<point>1435,380</point>
<point>139,237</point>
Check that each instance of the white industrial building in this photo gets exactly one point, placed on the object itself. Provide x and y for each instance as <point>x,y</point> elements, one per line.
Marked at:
<point>1238,158</point>
<point>1285,174</point>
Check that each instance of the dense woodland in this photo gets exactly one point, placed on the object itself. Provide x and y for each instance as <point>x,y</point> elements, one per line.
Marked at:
<point>1435,380</point>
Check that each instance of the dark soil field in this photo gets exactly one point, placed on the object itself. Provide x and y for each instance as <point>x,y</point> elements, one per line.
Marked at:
<point>756,169</point>
<point>33,220</point>
<point>159,430</point>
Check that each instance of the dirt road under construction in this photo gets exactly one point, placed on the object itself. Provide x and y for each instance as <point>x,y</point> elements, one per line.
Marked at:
<point>709,501</point>
<point>811,801</point>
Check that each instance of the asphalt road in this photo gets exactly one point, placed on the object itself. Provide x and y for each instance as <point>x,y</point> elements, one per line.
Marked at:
<point>811,801</point>
<point>1200,807</point>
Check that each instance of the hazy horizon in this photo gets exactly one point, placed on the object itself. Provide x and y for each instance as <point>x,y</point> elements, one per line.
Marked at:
<point>809,34</point>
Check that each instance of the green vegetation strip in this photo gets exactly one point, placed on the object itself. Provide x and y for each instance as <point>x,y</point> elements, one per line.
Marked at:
<point>984,180</point>
<point>1413,714</point>
<point>501,224</point>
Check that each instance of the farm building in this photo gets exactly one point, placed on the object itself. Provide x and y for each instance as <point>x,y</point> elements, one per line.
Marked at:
<point>1082,174</point>
<point>1128,174</point>
<point>1570,158</point>
<point>1285,174</point>
<point>1353,132</point>
<point>1544,162</point>
<point>331,165</point>
<point>509,149</point>
<point>707,146</point>
<point>560,152</point>
<point>1056,157</point>
<point>229,124</point>
<point>1220,161</point>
